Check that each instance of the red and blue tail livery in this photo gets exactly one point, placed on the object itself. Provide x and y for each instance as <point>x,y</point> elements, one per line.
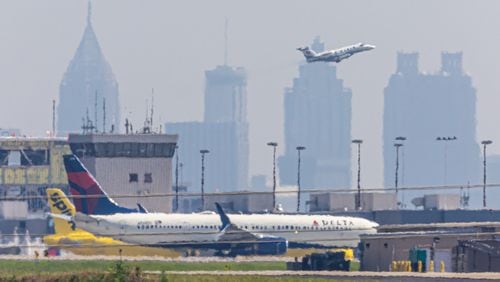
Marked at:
<point>89,197</point>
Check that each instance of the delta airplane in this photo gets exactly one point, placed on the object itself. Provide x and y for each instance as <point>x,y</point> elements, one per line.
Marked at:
<point>335,55</point>
<point>238,233</point>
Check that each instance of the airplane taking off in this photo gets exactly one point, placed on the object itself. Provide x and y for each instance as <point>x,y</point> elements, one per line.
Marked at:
<point>206,231</point>
<point>335,55</point>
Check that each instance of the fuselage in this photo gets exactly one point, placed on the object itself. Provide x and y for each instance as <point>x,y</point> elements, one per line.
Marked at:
<point>167,229</point>
<point>340,54</point>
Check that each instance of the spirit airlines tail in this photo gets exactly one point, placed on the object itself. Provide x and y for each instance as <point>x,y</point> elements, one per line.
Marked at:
<point>66,231</point>
<point>335,55</point>
<point>82,242</point>
<point>204,229</point>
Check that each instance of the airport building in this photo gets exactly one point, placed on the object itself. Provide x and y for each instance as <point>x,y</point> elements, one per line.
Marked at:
<point>455,245</point>
<point>6,132</point>
<point>317,116</point>
<point>28,166</point>
<point>478,255</point>
<point>436,114</point>
<point>130,164</point>
<point>224,132</point>
<point>89,89</point>
<point>332,202</point>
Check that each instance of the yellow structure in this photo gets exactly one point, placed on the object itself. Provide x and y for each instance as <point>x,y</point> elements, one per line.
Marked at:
<point>32,161</point>
<point>402,266</point>
<point>81,242</point>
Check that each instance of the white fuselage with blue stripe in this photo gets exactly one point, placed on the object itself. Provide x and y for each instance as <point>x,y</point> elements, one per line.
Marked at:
<point>170,229</point>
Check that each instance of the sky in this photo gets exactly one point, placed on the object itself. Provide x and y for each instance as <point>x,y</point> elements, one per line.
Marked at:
<point>167,45</point>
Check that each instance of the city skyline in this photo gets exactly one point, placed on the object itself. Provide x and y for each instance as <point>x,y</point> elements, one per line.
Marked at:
<point>142,61</point>
<point>318,117</point>
<point>88,93</point>
<point>430,122</point>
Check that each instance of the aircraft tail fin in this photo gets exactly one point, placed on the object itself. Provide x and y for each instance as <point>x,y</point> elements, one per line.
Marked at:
<point>60,205</point>
<point>308,53</point>
<point>223,216</point>
<point>91,198</point>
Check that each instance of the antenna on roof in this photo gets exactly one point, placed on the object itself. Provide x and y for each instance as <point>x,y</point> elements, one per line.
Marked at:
<point>225,42</point>
<point>95,111</point>
<point>87,126</point>
<point>152,107</point>
<point>103,115</point>
<point>89,12</point>
<point>53,117</point>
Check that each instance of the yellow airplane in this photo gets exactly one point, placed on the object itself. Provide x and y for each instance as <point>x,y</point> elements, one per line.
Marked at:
<point>81,242</point>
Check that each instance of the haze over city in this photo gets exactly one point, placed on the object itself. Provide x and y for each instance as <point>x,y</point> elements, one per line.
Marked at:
<point>168,47</point>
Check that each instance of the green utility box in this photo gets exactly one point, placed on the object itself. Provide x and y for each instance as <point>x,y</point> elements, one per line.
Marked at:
<point>416,255</point>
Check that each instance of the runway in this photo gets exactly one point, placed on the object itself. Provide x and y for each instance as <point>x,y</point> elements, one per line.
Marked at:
<point>354,275</point>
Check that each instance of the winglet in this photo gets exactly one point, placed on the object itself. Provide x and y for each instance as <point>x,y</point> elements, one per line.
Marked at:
<point>223,216</point>
<point>141,208</point>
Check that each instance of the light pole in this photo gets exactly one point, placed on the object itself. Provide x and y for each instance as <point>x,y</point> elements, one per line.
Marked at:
<point>358,199</point>
<point>485,143</point>
<point>176,178</point>
<point>446,140</point>
<point>274,145</point>
<point>397,145</point>
<point>299,148</point>
<point>402,139</point>
<point>203,152</point>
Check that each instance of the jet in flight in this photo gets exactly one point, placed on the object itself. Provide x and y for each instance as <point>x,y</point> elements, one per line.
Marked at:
<point>335,55</point>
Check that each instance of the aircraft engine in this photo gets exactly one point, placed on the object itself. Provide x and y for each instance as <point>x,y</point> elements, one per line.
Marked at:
<point>343,57</point>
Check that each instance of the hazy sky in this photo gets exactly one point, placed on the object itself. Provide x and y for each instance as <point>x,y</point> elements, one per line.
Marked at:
<point>169,44</point>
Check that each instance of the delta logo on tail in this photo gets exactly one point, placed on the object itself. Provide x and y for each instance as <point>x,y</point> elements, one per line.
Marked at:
<point>89,197</point>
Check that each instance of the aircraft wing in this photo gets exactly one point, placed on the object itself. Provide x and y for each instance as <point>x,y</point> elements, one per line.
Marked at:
<point>233,233</point>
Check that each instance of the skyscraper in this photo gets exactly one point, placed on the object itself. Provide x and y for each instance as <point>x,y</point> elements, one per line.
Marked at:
<point>317,116</point>
<point>88,86</point>
<point>224,132</point>
<point>437,115</point>
<point>225,95</point>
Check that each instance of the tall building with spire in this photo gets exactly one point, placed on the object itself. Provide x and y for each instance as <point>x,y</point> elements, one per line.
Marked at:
<point>317,116</point>
<point>88,90</point>
<point>436,113</point>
